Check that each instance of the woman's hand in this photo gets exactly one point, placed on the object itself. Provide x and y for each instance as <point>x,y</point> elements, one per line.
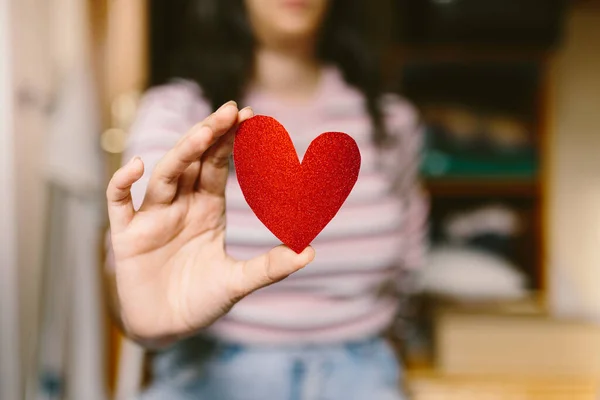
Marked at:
<point>172,273</point>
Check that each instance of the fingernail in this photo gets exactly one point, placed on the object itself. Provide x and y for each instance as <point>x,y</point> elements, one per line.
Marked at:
<point>248,108</point>
<point>133,159</point>
<point>228,104</point>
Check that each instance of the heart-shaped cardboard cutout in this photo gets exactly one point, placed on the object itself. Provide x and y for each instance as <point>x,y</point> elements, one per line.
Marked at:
<point>294,200</point>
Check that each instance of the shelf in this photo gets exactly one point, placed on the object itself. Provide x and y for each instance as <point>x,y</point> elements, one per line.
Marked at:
<point>482,187</point>
<point>474,53</point>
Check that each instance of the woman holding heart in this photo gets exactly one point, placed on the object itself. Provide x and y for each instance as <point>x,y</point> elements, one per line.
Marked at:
<point>232,313</point>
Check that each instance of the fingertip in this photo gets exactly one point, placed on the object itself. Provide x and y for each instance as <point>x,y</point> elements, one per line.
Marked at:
<point>283,251</point>
<point>245,113</point>
<point>230,103</point>
<point>308,255</point>
<point>137,164</point>
<point>134,169</point>
<point>229,109</point>
<point>302,259</point>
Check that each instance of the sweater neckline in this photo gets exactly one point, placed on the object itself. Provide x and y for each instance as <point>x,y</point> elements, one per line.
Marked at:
<point>329,80</point>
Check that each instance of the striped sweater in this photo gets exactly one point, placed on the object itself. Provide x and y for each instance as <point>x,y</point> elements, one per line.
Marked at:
<point>349,290</point>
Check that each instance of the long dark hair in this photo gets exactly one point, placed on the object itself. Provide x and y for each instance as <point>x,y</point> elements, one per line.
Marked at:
<point>215,48</point>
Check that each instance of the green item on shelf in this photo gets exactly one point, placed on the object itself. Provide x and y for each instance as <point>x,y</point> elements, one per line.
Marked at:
<point>440,164</point>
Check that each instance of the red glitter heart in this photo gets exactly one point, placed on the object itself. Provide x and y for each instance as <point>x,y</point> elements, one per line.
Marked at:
<point>294,200</point>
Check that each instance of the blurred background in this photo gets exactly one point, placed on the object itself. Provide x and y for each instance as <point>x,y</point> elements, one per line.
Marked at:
<point>508,306</point>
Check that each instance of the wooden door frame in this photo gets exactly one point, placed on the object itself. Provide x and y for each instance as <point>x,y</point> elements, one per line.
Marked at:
<point>120,37</point>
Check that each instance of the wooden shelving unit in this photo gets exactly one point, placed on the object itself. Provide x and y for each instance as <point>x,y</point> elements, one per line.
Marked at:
<point>423,379</point>
<point>526,191</point>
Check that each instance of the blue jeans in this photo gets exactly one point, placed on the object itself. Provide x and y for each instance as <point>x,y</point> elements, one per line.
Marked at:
<point>201,369</point>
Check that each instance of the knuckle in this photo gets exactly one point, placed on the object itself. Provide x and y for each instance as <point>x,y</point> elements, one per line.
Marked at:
<point>270,273</point>
<point>111,189</point>
<point>208,121</point>
<point>221,161</point>
<point>200,139</point>
<point>197,126</point>
<point>161,172</point>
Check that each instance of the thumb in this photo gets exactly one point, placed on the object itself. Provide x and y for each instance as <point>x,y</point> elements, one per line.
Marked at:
<point>269,268</point>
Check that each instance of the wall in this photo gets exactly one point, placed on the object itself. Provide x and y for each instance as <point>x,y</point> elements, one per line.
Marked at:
<point>574,192</point>
<point>10,376</point>
<point>32,96</point>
